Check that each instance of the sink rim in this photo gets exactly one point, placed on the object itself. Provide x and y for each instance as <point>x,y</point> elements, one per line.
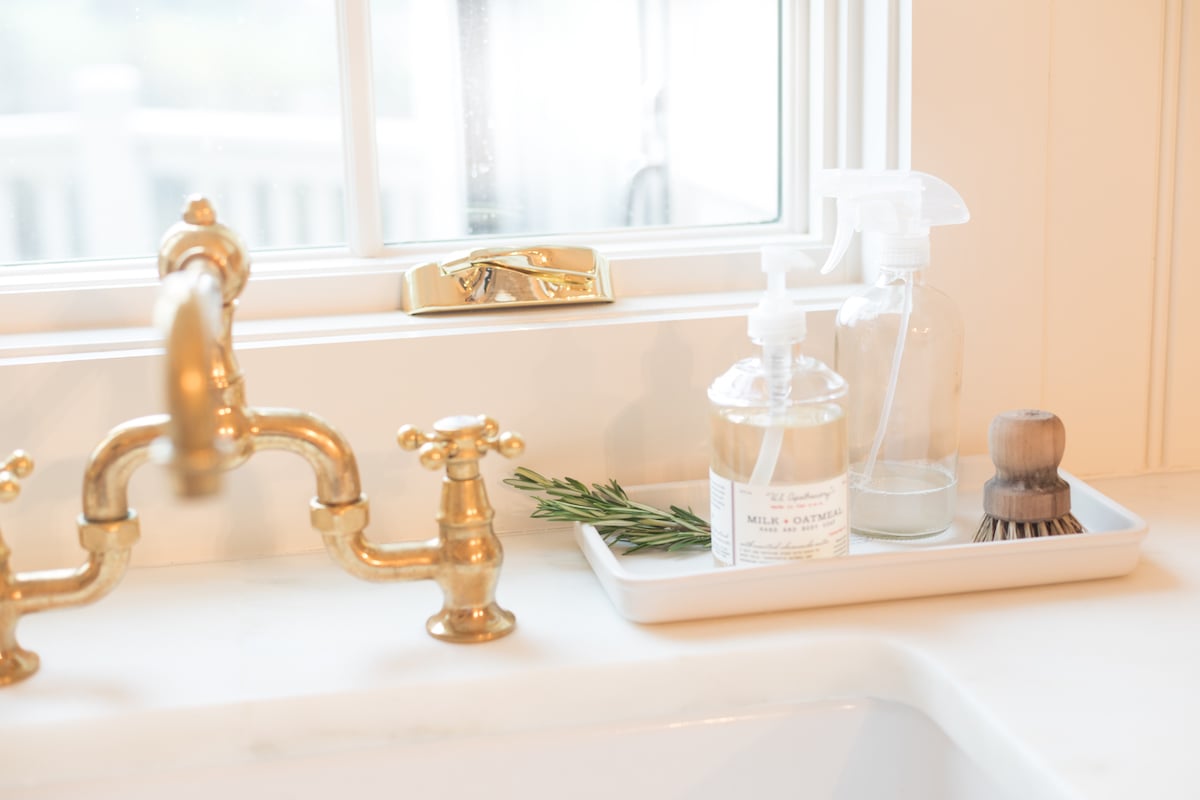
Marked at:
<point>558,697</point>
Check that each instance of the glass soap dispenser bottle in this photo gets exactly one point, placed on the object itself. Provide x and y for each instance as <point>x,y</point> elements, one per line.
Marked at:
<point>778,477</point>
<point>900,346</point>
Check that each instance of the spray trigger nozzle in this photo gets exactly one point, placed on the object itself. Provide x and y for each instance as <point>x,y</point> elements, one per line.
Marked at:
<point>894,210</point>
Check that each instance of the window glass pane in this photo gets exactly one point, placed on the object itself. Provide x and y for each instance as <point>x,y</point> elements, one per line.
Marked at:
<point>112,111</point>
<point>539,116</point>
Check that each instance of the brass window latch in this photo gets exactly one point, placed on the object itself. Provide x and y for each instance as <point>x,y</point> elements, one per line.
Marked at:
<point>507,278</point>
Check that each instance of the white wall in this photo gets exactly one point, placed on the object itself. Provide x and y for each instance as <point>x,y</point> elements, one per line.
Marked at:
<point>1180,245</point>
<point>1073,135</point>
<point>1051,119</point>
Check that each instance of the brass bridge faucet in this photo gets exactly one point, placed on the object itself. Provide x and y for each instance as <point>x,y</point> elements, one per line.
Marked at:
<point>209,429</point>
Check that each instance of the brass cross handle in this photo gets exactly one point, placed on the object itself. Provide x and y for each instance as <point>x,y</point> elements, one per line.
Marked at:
<point>17,467</point>
<point>459,438</point>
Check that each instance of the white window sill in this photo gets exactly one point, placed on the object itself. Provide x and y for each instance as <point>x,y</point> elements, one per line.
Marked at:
<point>58,346</point>
<point>84,302</point>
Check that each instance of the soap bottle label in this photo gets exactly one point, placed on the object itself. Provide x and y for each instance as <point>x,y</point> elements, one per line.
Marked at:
<point>789,522</point>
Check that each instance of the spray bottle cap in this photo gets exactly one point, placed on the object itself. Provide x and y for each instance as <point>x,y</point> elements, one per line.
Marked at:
<point>776,320</point>
<point>894,209</point>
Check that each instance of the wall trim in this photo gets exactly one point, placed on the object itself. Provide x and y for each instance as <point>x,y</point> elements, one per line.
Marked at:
<point>1164,246</point>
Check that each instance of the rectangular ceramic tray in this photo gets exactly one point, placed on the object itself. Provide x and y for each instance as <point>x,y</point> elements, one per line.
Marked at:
<point>664,587</point>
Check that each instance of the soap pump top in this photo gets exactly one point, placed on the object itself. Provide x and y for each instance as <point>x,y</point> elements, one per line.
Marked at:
<point>777,321</point>
<point>769,388</point>
<point>776,324</point>
<point>899,345</point>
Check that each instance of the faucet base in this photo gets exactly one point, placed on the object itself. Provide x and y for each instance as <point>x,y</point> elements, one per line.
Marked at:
<point>17,664</point>
<point>464,626</point>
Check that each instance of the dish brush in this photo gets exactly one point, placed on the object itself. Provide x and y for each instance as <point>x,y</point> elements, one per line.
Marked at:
<point>1027,498</point>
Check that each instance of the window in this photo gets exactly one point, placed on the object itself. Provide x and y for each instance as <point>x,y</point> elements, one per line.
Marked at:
<point>588,116</point>
<point>345,140</point>
<point>122,111</point>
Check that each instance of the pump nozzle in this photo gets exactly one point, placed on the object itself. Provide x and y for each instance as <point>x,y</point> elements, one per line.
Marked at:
<point>894,209</point>
<point>776,319</point>
<point>777,324</point>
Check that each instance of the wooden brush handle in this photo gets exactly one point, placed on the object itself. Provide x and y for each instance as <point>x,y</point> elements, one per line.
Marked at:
<point>1027,447</point>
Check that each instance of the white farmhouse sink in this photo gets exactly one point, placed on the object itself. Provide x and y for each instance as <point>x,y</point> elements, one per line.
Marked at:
<point>845,719</point>
<point>848,750</point>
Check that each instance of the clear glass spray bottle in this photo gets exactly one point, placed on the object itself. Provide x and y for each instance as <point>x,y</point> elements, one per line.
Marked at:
<point>900,347</point>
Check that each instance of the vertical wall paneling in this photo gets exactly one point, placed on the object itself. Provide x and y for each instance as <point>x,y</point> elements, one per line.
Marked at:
<point>1182,430</point>
<point>1167,163</point>
<point>1102,192</point>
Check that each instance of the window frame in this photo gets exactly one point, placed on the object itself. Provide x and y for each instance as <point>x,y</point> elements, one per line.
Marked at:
<point>844,99</point>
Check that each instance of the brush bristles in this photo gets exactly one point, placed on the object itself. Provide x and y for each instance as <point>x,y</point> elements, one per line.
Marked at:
<point>992,529</point>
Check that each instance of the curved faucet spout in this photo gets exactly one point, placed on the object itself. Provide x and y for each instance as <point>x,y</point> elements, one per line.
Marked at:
<point>112,464</point>
<point>314,440</point>
<point>189,311</point>
<point>340,510</point>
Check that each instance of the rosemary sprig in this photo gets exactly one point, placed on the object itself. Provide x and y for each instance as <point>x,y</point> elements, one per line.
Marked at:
<point>615,517</point>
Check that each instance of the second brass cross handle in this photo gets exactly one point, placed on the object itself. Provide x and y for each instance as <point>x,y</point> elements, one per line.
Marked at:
<point>459,438</point>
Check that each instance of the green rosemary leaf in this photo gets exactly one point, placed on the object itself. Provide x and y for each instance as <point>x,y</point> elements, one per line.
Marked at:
<point>607,495</point>
<point>616,518</point>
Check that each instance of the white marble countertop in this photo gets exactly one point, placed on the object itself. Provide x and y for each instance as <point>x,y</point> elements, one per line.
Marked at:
<point>214,663</point>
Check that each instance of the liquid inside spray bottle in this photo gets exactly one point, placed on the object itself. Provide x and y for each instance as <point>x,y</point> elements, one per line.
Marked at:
<point>899,346</point>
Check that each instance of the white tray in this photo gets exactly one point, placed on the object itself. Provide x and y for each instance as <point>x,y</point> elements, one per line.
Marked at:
<point>663,587</point>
